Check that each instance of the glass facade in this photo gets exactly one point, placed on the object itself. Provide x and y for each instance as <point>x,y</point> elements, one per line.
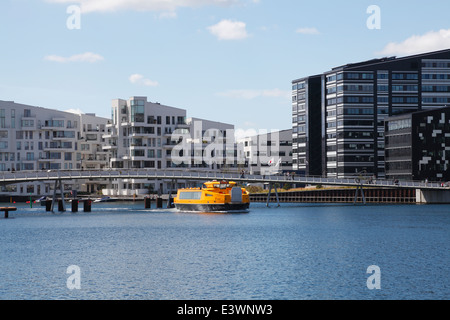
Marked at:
<point>306,131</point>
<point>418,146</point>
<point>356,100</point>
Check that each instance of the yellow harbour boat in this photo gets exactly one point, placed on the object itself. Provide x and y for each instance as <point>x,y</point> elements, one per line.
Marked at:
<point>214,196</point>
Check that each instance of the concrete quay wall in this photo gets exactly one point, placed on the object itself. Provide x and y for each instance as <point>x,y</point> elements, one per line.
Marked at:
<point>347,195</point>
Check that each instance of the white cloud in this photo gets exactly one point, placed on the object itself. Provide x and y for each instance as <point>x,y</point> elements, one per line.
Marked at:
<point>275,93</point>
<point>141,5</point>
<point>84,57</point>
<point>431,41</point>
<point>253,94</point>
<point>141,80</point>
<point>310,31</point>
<point>229,30</point>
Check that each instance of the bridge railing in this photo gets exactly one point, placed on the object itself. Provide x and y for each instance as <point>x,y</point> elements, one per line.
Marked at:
<point>25,176</point>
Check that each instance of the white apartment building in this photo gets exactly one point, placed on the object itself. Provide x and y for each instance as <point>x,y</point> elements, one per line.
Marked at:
<point>268,153</point>
<point>143,135</point>
<point>213,145</point>
<point>139,135</point>
<point>35,138</point>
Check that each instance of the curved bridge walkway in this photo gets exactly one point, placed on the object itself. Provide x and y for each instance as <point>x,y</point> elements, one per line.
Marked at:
<point>59,176</point>
<point>32,176</point>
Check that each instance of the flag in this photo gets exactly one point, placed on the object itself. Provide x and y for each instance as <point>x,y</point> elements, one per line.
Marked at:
<point>272,162</point>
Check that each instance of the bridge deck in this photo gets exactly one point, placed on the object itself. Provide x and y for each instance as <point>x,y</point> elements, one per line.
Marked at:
<point>31,176</point>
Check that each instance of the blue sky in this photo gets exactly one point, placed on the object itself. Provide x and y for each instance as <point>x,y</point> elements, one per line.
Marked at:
<point>224,60</point>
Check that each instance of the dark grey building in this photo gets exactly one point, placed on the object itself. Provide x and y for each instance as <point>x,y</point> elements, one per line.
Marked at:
<point>357,98</point>
<point>306,133</point>
<point>418,146</point>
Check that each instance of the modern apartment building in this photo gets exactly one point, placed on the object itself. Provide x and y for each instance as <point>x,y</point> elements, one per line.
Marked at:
<point>267,153</point>
<point>357,98</point>
<point>212,145</point>
<point>148,135</point>
<point>418,146</point>
<point>35,138</point>
<point>139,135</point>
<point>306,133</point>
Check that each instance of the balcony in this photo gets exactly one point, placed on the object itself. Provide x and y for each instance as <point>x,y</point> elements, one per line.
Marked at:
<point>109,147</point>
<point>53,124</point>
<point>138,146</point>
<point>63,135</point>
<point>63,148</point>
<point>28,123</point>
<point>95,159</point>
<point>182,125</point>
<point>109,136</point>
<point>46,159</point>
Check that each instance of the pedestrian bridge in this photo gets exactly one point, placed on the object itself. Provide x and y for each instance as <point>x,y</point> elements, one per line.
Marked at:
<point>60,175</point>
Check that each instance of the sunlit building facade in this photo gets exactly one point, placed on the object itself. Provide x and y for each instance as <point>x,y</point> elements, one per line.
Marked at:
<point>34,138</point>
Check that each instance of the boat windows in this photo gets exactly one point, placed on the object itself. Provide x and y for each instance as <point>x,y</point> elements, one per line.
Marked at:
<point>190,195</point>
<point>218,185</point>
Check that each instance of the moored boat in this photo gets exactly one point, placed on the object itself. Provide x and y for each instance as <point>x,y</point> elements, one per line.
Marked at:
<point>43,200</point>
<point>214,196</point>
<point>105,199</point>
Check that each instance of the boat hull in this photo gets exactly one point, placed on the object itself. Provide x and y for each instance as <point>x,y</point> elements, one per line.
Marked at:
<point>227,207</point>
<point>105,200</point>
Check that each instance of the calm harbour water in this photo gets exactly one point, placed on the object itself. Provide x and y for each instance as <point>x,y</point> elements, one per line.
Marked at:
<point>294,252</point>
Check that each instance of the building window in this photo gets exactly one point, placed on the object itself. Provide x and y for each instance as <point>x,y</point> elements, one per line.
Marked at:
<point>2,118</point>
<point>137,113</point>
<point>27,123</point>
<point>13,118</point>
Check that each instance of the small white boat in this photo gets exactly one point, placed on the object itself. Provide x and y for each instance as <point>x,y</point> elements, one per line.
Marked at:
<point>43,200</point>
<point>105,199</point>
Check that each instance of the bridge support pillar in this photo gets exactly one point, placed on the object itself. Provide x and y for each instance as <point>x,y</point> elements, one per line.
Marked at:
<point>148,202</point>
<point>359,188</point>
<point>62,206</point>
<point>270,193</point>
<point>170,204</point>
